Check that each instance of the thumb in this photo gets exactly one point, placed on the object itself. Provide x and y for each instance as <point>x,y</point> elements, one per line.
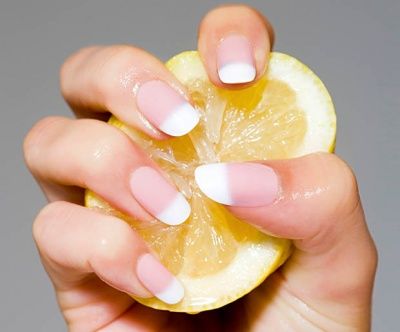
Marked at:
<point>312,200</point>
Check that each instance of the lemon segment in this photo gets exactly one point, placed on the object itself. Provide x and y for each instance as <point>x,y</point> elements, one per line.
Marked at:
<point>217,257</point>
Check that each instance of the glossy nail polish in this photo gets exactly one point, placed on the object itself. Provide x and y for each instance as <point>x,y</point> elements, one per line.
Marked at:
<point>238,184</point>
<point>158,196</point>
<point>166,109</point>
<point>235,60</point>
<point>158,280</point>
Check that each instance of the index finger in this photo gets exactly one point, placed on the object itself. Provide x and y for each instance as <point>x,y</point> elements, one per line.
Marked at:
<point>234,43</point>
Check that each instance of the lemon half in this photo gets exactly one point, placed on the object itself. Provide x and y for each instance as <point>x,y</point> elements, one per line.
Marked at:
<point>218,258</point>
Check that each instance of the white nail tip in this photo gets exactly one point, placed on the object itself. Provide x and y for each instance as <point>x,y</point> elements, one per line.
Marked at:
<point>181,121</point>
<point>237,72</point>
<point>176,212</point>
<point>173,293</point>
<point>212,180</point>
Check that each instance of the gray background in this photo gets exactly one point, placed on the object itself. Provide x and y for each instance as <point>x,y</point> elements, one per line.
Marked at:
<point>352,45</point>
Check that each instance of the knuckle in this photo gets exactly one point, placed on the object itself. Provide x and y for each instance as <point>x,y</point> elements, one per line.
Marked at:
<point>339,174</point>
<point>72,60</point>
<point>69,66</point>
<point>336,185</point>
<point>33,140</point>
<point>247,10</point>
<point>224,8</point>
<point>120,53</point>
<point>373,257</point>
<point>114,239</point>
<point>235,11</point>
<point>341,199</point>
<point>46,218</point>
<point>106,151</point>
<point>115,61</point>
<point>343,176</point>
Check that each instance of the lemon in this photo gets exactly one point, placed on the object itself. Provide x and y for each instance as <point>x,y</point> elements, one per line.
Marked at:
<point>218,258</point>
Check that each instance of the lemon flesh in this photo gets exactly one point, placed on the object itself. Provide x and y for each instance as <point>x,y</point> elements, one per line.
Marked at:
<point>218,258</point>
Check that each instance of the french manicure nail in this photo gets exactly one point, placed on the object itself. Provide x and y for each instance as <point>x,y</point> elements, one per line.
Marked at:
<point>235,60</point>
<point>238,184</point>
<point>158,280</point>
<point>158,196</point>
<point>166,109</point>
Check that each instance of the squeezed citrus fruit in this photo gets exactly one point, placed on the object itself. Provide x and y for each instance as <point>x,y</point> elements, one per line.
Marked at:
<point>218,258</point>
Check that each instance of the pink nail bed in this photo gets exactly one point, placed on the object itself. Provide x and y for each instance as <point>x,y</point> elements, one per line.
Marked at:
<point>158,280</point>
<point>235,60</point>
<point>158,196</point>
<point>166,109</point>
<point>238,184</point>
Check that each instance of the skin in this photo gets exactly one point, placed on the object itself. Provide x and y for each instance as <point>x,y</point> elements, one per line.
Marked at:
<point>325,286</point>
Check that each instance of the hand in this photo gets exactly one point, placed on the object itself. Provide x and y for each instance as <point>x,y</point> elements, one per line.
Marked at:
<point>93,260</point>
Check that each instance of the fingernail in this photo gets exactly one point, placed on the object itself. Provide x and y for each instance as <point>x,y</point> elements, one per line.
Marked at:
<point>158,280</point>
<point>166,109</point>
<point>238,184</point>
<point>235,60</point>
<point>158,196</point>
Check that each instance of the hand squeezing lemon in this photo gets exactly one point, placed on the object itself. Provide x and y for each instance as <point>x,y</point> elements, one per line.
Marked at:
<point>185,186</point>
<point>217,257</point>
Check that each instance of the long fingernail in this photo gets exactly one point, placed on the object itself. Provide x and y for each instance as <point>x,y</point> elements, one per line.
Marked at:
<point>235,60</point>
<point>238,184</point>
<point>158,280</point>
<point>158,196</point>
<point>166,109</point>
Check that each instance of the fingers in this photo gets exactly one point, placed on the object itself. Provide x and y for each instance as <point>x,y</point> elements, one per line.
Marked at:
<point>132,85</point>
<point>234,42</point>
<point>313,200</point>
<point>74,241</point>
<point>91,154</point>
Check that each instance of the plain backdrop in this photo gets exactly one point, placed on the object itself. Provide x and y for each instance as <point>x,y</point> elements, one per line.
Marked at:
<point>352,45</point>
